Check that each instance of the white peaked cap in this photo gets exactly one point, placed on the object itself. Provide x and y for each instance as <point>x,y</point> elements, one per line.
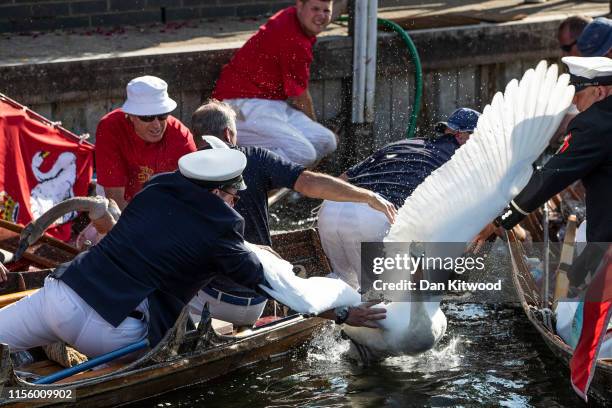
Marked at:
<point>148,95</point>
<point>214,167</point>
<point>214,142</point>
<point>588,67</point>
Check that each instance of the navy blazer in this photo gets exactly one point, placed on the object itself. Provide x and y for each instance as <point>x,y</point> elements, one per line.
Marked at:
<point>586,154</point>
<point>172,238</point>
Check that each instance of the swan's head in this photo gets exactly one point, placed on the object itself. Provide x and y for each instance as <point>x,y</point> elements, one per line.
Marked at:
<point>39,158</point>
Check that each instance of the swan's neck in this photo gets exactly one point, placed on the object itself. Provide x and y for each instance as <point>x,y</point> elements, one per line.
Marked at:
<point>51,174</point>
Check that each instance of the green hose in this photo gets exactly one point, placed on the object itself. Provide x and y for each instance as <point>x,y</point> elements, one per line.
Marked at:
<point>418,75</point>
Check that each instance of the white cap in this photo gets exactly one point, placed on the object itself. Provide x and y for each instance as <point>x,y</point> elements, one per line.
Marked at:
<point>214,168</point>
<point>589,71</point>
<point>214,142</point>
<point>148,95</point>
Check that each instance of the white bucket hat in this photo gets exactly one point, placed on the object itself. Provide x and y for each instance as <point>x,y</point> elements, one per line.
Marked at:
<point>148,95</point>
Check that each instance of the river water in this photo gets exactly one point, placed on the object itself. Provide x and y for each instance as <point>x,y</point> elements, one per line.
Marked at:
<point>490,356</point>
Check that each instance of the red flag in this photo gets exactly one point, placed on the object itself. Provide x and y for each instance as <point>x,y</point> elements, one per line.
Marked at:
<point>41,164</point>
<point>595,320</point>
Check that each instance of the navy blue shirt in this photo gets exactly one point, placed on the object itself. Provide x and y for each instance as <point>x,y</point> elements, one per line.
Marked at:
<point>398,168</point>
<point>265,171</point>
<point>172,238</point>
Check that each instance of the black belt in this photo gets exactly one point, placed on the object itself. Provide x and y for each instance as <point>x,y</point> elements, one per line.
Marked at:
<point>138,315</point>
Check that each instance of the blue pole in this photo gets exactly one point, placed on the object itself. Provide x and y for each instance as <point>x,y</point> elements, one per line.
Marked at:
<point>105,358</point>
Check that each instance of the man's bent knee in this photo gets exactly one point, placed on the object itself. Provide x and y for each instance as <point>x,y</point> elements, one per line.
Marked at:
<point>302,153</point>
<point>326,143</point>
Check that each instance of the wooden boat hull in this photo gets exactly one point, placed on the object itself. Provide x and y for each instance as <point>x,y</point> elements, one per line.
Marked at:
<point>180,360</point>
<point>186,370</point>
<point>527,291</point>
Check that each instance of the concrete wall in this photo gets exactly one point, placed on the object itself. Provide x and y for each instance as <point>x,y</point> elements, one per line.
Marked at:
<point>38,15</point>
<point>462,67</point>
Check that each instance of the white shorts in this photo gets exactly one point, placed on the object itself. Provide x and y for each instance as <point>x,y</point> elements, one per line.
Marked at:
<point>241,311</point>
<point>286,131</point>
<point>57,313</point>
<point>343,226</point>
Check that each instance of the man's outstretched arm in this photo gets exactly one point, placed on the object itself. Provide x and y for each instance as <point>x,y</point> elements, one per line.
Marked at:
<point>318,185</point>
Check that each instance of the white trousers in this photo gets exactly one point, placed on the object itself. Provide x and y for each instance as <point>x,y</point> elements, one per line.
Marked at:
<point>282,129</point>
<point>343,226</point>
<point>238,315</point>
<point>56,313</point>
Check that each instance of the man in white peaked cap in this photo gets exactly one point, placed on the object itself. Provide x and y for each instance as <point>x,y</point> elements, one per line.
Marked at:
<point>139,139</point>
<point>586,154</point>
<point>172,238</point>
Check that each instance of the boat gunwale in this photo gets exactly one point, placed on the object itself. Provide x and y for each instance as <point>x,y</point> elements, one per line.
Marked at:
<point>135,373</point>
<point>555,344</point>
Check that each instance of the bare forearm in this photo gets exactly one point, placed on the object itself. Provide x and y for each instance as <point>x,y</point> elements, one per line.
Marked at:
<point>317,185</point>
<point>322,186</point>
<point>117,194</point>
<point>304,103</point>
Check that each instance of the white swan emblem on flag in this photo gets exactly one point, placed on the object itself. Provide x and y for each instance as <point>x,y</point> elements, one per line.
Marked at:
<point>54,186</point>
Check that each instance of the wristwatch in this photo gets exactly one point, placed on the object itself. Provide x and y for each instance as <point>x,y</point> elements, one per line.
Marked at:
<point>342,314</point>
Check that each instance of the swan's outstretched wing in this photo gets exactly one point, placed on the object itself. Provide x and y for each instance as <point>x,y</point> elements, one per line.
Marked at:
<point>457,200</point>
<point>312,296</point>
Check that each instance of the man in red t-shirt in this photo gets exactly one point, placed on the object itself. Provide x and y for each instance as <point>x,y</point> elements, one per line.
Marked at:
<point>266,82</point>
<point>139,140</point>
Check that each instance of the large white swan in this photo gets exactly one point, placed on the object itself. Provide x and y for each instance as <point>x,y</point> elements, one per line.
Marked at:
<point>477,183</point>
<point>55,185</point>
<point>453,204</point>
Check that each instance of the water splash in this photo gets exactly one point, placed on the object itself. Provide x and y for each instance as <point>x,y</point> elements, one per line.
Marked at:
<point>441,358</point>
<point>327,346</point>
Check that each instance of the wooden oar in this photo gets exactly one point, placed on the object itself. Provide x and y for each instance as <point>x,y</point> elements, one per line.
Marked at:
<point>6,300</point>
<point>565,261</point>
<point>104,358</point>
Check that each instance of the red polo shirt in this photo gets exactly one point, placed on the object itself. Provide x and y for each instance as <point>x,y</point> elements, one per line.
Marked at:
<point>273,64</point>
<point>123,159</point>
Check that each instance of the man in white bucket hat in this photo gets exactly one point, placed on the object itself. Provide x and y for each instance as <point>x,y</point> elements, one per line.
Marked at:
<point>139,139</point>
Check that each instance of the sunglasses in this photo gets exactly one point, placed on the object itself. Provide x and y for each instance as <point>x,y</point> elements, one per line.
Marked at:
<point>568,47</point>
<point>235,197</point>
<point>151,118</point>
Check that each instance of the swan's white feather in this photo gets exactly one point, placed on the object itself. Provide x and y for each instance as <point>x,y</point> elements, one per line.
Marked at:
<point>473,187</point>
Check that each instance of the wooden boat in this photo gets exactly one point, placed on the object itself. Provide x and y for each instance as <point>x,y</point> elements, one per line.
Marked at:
<point>531,301</point>
<point>30,271</point>
<point>183,358</point>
